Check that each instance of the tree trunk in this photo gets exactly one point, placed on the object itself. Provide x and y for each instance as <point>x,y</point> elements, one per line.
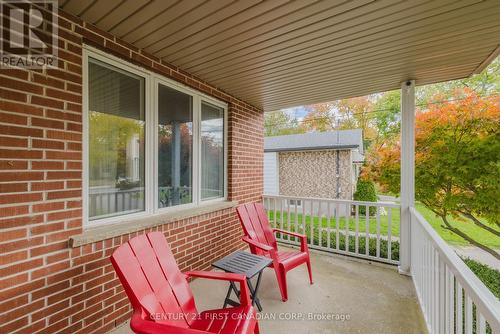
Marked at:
<point>481,225</point>
<point>469,239</point>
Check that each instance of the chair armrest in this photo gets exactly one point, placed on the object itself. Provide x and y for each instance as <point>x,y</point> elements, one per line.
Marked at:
<point>303,238</point>
<point>298,235</point>
<point>257,244</point>
<point>244,294</point>
<point>143,326</point>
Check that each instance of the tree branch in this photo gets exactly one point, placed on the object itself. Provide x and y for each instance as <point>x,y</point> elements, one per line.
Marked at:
<point>469,239</point>
<point>480,224</point>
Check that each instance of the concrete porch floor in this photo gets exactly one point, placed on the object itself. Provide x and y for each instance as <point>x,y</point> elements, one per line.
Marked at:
<point>375,299</point>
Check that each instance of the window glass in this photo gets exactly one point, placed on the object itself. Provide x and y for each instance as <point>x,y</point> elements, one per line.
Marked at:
<point>212,151</point>
<point>175,147</point>
<point>116,141</point>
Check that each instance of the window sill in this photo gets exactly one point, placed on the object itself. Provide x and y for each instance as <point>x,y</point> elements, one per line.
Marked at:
<point>99,233</point>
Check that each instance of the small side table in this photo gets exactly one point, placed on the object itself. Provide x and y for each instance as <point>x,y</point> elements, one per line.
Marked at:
<point>247,264</point>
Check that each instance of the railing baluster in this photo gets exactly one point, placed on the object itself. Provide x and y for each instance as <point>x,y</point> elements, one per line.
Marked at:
<point>337,226</point>
<point>378,232</point>
<point>303,217</point>
<point>367,229</point>
<point>459,310</point>
<point>468,314</point>
<point>389,233</point>
<point>311,223</point>
<point>356,212</point>
<point>447,293</point>
<point>295,225</point>
<point>320,224</point>
<point>451,301</point>
<point>347,220</point>
<point>481,323</point>
<point>281,218</point>
<point>288,222</point>
<point>328,229</point>
<point>274,214</point>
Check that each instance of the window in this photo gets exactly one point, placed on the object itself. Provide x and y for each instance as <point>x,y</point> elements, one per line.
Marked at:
<point>116,141</point>
<point>175,147</point>
<point>150,144</point>
<point>212,151</point>
<point>294,202</point>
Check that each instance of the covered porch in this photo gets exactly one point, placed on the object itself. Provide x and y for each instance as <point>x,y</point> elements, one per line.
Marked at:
<point>242,58</point>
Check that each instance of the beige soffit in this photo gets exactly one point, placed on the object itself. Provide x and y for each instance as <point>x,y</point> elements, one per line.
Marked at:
<point>278,53</point>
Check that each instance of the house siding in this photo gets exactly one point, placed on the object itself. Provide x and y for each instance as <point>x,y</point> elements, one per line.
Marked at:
<point>312,174</point>
<point>46,285</point>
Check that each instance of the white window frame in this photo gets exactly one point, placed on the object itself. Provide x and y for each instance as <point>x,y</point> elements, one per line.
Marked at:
<point>152,81</point>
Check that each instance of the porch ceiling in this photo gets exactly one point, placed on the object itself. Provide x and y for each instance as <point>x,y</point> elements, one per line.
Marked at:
<point>280,53</point>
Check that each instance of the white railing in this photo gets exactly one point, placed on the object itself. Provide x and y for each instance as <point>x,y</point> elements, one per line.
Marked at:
<point>339,226</point>
<point>451,296</point>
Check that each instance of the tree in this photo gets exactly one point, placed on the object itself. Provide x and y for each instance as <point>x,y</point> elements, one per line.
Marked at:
<point>387,115</point>
<point>277,123</point>
<point>457,160</point>
<point>320,117</point>
<point>357,113</point>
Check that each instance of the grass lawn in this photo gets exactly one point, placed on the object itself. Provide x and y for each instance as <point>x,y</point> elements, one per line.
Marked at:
<point>467,227</point>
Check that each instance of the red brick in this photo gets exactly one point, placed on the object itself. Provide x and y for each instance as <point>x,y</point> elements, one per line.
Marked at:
<point>20,176</point>
<point>19,85</point>
<point>52,134</point>
<point>20,131</point>
<point>13,164</point>
<point>14,72</point>
<point>48,81</point>
<point>20,198</point>
<point>20,108</point>
<point>64,194</point>
<point>46,165</point>
<point>60,215</point>
<point>46,228</point>
<point>48,144</point>
<point>62,95</point>
<point>63,175</point>
<point>46,102</point>
<point>47,123</point>
<point>14,211</point>
<point>20,221</point>
<point>13,95</point>
<point>13,141</point>
<point>20,267</point>
<point>63,115</point>
<point>20,154</point>
<point>13,187</point>
<point>48,206</point>
<point>13,119</point>
<point>53,185</point>
<point>12,234</point>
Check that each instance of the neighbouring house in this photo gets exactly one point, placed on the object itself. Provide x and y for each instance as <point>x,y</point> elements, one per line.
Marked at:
<point>317,164</point>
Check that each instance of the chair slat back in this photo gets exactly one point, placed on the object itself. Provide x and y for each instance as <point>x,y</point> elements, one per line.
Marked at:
<point>146,272</point>
<point>255,224</point>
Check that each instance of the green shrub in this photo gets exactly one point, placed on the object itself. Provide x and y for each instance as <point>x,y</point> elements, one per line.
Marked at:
<point>489,276</point>
<point>365,191</point>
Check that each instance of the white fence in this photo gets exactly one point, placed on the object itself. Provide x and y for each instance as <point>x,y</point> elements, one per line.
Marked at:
<point>451,296</point>
<point>339,226</point>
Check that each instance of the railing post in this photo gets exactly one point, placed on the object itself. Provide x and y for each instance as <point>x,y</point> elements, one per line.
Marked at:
<point>407,192</point>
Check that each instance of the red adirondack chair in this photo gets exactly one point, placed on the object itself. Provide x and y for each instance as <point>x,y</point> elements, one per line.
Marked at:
<point>260,237</point>
<point>162,298</point>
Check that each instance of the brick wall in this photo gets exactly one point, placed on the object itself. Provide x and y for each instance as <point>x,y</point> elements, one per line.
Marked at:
<point>46,286</point>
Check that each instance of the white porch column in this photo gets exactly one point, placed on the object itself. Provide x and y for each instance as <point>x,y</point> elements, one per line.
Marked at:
<point>407,172</point>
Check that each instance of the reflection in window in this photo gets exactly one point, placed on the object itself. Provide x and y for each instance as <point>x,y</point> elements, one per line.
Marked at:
<point>212,151</point>
<point>116,141</point>
<point>175,142</point>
